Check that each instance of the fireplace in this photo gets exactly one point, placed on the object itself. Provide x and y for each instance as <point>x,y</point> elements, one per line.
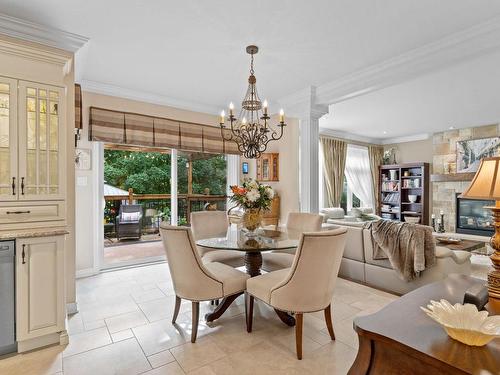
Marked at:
<point>472,217</point>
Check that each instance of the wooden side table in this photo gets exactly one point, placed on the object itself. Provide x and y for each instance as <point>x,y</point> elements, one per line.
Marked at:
<point>401,339</point>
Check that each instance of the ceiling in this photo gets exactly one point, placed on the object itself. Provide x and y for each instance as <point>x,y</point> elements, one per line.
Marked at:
<point>464,95</point>
<point>193,52</point>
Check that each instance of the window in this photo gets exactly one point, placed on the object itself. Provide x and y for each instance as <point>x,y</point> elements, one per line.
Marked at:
<point>349,199</point>
<point>358,178</point>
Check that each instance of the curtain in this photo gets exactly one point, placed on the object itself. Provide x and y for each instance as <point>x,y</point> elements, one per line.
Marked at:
<point>358,174</point>
<point>376,154</point>
<point>334,158</point>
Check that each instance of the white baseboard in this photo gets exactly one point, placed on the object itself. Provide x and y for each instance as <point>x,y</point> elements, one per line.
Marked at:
<point>86,272</point>
<point>71,308</point>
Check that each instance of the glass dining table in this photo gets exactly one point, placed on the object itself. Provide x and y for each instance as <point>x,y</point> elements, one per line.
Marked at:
<point>253,246</point>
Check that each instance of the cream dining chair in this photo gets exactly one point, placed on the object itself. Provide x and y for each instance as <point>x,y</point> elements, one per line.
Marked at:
<point>193,280</point>
<point>296,224</point>
<point>305,287</point>
<point>209,224</point>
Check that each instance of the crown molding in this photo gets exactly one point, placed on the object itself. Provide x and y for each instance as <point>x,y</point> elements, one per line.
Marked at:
<point>53,56</point>
<point>452,49</point>
<point>46,35</point>
<point>376,141</point>
<point>147,97</point>
<point>348,136</point>
<point>409,138</point>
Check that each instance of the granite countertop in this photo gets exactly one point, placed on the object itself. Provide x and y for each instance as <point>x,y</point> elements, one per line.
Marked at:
<point>29,233</point>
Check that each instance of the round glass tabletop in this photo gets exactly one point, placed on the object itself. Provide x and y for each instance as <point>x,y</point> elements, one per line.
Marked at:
<point>263,240</point>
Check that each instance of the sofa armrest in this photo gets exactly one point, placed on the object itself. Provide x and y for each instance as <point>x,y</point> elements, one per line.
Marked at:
<point>458,256</point>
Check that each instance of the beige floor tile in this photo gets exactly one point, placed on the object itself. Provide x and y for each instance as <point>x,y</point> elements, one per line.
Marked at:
<point>124,321</point>
<point>124,358</point>
<point>148,295</point>
<point>122,335</point>
<point>162,308</point>
<point>103,310</point>
<point>169,369</point>
<point>159,336</point>
<point>344,332</point>
<point>46,361</point>
<point>332,359</point>
<point>75,324</point>
<point>372,301</point>
<point>264,358</point>
<point>161,358</point>
<point>192,356</point>
<point>94,324</point>
<point>86,341</point>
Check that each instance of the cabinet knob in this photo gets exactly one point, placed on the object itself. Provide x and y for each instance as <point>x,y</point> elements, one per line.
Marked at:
<point>23,254</point>
<point>13,186</point>
<point>22,185</point>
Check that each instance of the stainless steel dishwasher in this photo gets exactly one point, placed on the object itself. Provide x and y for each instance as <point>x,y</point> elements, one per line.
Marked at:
<point>7,298</point>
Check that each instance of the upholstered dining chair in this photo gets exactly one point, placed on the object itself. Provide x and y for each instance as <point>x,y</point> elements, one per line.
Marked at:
<point>193,280</point>
<point>305,287</point>
<point>296,224</point>
<point>209,224</point>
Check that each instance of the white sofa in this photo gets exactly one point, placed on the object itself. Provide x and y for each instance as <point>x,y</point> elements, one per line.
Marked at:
<point>358,264</point>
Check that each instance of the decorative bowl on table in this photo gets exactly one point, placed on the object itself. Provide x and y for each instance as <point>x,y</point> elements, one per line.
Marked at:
<point>448,240</point>
<point>412,198</point>
<point>464,323</point>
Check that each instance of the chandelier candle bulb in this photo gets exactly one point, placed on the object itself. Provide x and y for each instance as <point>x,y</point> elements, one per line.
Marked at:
<point>265,107</point>
<point>231,108</point>
<point>222,117</point>
<point>282,116</point>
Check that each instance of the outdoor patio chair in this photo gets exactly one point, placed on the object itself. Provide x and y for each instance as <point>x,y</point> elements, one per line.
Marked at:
<point>129,221</point>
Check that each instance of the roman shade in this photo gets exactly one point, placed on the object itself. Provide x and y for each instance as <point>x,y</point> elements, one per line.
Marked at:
<point>127,128</point>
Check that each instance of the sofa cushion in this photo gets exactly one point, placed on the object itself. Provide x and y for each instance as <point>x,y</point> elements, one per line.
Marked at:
<point>333,212</point>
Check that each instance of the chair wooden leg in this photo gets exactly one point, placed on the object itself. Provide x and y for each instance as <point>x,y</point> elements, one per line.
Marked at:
<point>249,311</point>
<point>176,309</point>
<point>195,319</point>
<point>299,318</point>
<point>328,320</point>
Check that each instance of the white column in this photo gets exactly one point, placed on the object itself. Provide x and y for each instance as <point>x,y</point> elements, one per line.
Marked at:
<point>233,174</point>
<point>303,106</point>
<point>173,188</point>
<point>308,161</point>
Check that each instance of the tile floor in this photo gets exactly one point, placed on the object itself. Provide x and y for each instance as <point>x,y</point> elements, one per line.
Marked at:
<point>123,327</point>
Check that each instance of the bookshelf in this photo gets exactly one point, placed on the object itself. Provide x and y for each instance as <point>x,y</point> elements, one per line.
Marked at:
<point>404,191</point>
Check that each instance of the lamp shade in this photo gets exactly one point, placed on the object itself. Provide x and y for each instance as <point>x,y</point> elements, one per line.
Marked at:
<point>486,182</point>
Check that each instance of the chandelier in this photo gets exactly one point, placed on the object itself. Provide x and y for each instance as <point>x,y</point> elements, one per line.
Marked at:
<point>251,129</point>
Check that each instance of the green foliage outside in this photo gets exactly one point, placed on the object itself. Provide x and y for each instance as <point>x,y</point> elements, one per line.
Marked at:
<point>149,172</point>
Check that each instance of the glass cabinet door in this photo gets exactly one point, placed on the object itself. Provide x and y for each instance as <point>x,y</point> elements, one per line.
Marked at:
<point>41,141</point>
<point>8,139</point>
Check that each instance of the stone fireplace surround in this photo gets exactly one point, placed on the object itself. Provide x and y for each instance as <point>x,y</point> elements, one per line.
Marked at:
<point>444,153</point>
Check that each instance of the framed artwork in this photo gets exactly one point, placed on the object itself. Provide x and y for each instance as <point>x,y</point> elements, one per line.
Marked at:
<point>244,167</point>
<point>470,152</point>
<point>83,159</point>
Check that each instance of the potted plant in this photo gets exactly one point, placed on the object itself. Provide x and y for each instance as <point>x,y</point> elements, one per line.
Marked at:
<point>254,198</point>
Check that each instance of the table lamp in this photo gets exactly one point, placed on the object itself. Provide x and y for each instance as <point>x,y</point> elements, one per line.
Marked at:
<point>486,185</point>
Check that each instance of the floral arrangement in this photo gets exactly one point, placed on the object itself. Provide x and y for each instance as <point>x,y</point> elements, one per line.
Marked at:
<point>252,195</point>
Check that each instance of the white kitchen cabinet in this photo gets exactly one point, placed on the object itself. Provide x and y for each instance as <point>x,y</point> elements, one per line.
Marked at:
<point>32,141</point>
<point>41,308</point>
<point>8,139</point>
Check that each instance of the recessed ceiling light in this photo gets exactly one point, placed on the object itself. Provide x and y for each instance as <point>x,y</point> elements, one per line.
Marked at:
<point>384,132</point>
<point>451,127</point>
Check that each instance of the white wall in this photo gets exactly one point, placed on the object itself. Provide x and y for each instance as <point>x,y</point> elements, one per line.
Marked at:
<point>288,184</point>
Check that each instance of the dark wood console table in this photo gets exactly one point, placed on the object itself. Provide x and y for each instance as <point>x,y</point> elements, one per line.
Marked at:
<point>401,339</point>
